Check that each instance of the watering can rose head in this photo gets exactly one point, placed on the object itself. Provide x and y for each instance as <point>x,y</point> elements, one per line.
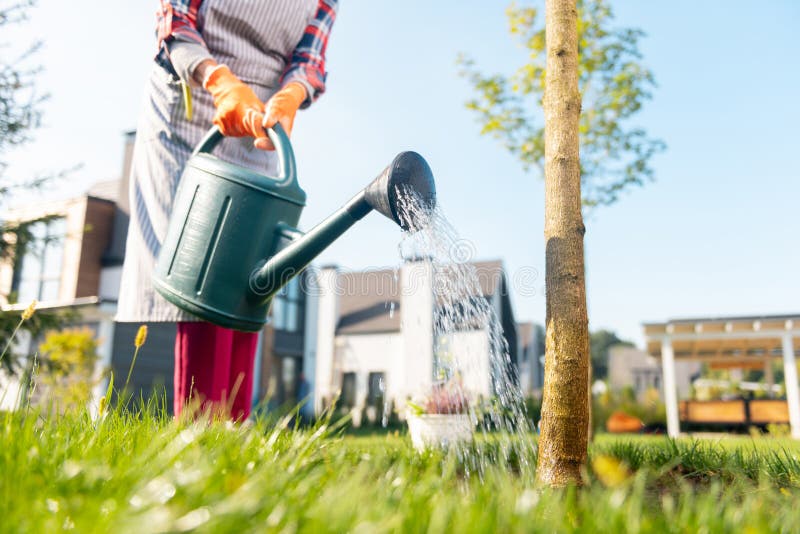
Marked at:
<point>404,192</point>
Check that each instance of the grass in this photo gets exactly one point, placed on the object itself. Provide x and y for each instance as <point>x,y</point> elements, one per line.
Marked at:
<point>143,472</point>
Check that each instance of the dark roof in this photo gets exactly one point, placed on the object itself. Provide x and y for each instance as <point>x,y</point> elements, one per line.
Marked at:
<point>369,301</point>
<point>490,273</point>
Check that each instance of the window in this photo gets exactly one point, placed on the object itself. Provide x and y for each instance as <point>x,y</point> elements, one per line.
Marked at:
<point>38,271</point>
<point>287,307</point>
<point>376,389</point>
<point>348,397</point>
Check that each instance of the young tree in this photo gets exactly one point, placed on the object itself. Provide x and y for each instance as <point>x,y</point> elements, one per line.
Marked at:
<point>68,359</point>
<point>565,404</point>
<point>615,155</point>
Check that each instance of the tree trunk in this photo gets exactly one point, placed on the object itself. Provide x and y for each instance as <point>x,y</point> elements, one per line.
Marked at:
<point>565,423</point>
<point>590,426</point>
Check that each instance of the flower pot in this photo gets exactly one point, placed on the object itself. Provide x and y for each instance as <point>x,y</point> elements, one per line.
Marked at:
<point>439,430</point>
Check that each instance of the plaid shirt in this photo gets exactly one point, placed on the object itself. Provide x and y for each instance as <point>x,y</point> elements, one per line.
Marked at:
<point>177,19</point>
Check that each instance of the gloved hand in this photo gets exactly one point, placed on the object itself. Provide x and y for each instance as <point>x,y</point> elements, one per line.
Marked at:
<point>239,111</point>
<point>282,108</point>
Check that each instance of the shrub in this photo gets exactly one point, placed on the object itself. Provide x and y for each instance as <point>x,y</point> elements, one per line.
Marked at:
<point>67,372</point>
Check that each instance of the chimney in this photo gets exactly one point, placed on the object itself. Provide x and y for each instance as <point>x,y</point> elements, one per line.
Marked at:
<point>123,202</point>
<point>416,325</point>
<point>322,316</point>
<point>115,254</point>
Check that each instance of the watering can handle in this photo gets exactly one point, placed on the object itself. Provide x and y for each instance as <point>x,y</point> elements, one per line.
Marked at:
<point>276,134</point>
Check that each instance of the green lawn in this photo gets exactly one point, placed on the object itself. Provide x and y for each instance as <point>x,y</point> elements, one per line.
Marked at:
<point>145,473</point>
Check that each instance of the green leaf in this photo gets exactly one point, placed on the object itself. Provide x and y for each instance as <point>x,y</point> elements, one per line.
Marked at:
<point>614,86</point>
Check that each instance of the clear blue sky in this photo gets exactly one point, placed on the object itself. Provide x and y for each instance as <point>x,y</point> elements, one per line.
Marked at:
<point>716,234</point>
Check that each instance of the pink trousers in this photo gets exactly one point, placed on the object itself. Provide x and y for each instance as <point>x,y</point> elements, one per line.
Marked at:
<point>214,368</point>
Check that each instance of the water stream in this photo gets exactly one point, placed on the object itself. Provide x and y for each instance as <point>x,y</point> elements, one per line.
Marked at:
<point>472,361</point>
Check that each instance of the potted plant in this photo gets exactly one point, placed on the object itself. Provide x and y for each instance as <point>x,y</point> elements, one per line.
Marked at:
<point>442,419</point>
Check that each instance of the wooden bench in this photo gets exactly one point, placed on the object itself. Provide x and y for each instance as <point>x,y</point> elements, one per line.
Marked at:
<point>769,411</point>
<point>715,412</point>
<point>734,412</point>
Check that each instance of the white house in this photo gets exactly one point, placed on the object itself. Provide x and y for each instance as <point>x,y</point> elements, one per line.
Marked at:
<point>370,334</point>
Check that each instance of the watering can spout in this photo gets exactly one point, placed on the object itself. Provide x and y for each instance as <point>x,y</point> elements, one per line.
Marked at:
<point>408,178</point>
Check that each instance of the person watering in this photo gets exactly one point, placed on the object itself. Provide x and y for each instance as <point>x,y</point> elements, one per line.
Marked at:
<point>218,62</point>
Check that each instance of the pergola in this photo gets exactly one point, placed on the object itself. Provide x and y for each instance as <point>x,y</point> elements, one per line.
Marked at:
<point>732,342</point>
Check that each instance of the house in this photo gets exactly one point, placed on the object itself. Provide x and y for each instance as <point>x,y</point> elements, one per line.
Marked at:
<point>371,336</point>
<point>631,367</point>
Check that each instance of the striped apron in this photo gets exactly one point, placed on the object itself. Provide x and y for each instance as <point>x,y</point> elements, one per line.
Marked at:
<point>255,38</point>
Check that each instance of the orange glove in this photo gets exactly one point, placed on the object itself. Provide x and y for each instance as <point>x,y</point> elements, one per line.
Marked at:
<point>282,108</point>
<point>239,111</point>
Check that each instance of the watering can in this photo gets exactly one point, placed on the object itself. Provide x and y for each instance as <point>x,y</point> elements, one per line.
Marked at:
<point>232,240</point>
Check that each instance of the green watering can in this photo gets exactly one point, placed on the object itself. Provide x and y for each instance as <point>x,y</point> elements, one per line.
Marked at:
<point>232,240</point>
